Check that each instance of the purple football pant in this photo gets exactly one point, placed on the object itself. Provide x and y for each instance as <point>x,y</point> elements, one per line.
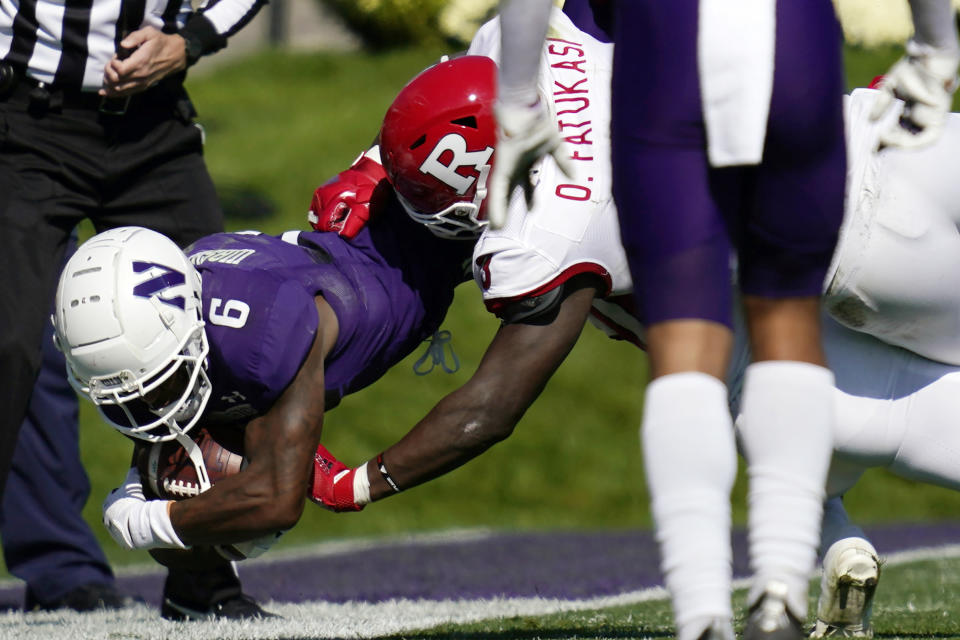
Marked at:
<point>681,221</point>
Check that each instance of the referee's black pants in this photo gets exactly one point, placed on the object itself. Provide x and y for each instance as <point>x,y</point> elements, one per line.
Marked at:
<point>61,164</point>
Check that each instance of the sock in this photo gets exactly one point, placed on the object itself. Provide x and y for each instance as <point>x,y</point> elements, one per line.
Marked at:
<point>690,460</point>
<point>836,525</point>
<point>787,438</point>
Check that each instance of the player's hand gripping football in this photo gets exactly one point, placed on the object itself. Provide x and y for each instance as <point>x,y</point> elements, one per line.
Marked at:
<point>138,523</point>
<point>333,485</point>
<point>346,203</point>
<point>925,79</point>
<point>524,135</point>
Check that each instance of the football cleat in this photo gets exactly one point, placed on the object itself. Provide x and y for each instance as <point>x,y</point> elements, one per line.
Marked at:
<point>770,619</point>
<point>718,629</point>
<point>851,570</point>
<point>208,593</point>
<point>236,607</point>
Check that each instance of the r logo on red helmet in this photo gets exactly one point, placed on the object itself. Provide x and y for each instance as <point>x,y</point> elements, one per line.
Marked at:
<point>446,172</point>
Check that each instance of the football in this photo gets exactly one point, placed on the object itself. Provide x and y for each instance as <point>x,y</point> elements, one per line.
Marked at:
<point>167,472</point>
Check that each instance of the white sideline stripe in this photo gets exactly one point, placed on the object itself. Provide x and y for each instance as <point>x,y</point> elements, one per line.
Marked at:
<point>348,620</point>
<point>304,620</point>
<point>323,550</point>
<point>920,554</point>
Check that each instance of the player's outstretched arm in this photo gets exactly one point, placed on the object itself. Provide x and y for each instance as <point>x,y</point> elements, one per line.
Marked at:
<point>515,368</point>
<point>269,494</point>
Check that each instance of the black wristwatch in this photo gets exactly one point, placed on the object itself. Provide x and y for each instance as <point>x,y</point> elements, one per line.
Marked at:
<point>193,47</point>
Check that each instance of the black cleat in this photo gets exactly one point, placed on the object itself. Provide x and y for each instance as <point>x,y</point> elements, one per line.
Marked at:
<point>213,592</point>
<point>770,619</point>
<point>236,607</point>
<point>85,598</point>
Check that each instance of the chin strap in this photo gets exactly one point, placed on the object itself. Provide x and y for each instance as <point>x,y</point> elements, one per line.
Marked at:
<point>437,352</point>
<point>196,457</point>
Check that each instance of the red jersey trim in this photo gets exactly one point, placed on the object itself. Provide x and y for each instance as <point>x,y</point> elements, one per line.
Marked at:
<point>622,333</point>
<point>496,305</point>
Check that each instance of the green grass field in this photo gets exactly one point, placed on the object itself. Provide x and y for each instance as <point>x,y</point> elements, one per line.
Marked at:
<point>278,125</point>
<point>917,600</point>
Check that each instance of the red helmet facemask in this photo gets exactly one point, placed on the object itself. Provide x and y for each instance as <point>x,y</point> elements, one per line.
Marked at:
<point>437,145</point>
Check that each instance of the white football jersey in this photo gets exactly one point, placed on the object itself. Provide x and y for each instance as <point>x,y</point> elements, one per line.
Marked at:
<point>572,227</point>
<point>896,270</point>
<point>895,273</point>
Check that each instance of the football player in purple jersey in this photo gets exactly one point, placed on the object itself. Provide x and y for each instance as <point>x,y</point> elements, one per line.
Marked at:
<point>240,329</point>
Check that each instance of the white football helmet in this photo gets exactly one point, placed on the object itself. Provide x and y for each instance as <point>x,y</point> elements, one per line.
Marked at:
<point>129,321</point>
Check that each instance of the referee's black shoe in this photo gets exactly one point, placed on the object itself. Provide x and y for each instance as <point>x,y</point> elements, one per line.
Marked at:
<point>84,598</point>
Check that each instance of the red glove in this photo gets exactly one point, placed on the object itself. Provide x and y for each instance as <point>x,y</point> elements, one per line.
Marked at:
<point>332,485</point>
<point>346,203</point>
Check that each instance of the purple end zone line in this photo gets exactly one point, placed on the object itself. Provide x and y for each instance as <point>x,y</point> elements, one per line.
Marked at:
<point>551,565</point>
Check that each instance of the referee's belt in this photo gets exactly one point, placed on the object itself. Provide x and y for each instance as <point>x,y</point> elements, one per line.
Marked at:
<point>41,98</point>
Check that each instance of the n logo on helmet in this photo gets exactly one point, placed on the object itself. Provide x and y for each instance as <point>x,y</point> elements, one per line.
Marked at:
<point>155,286</point>
<point>447,172</point>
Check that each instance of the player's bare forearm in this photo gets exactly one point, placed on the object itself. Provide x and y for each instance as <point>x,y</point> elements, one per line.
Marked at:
<point>517,365</point>
<point>265,497</point>
<point>269,494</point>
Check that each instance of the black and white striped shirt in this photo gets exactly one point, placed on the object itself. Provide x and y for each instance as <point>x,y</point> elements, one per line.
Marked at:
<point>67,43</point>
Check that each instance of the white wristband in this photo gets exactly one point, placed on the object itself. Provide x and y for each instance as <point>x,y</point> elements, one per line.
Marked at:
<point>361,486</point>
<point>156,528</point>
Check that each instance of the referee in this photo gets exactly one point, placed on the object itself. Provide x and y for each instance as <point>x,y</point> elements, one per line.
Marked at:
<point>94,123</point>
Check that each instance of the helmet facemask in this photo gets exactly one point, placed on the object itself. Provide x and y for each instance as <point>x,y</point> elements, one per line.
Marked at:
<point>459,220</point>
<point>123,400</point>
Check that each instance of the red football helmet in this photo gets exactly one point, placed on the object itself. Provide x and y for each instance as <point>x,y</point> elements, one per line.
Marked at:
<point>437,144</point>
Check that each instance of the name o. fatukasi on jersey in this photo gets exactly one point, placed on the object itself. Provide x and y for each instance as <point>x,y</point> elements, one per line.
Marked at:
<point>572,227</point>
<point>389,288</point>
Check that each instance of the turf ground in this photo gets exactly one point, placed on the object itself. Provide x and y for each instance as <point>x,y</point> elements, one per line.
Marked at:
<point>278,125</point>
<point>479,584</point>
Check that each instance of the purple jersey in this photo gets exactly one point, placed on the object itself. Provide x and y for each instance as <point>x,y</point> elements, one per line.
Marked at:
<point>390,288</point>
